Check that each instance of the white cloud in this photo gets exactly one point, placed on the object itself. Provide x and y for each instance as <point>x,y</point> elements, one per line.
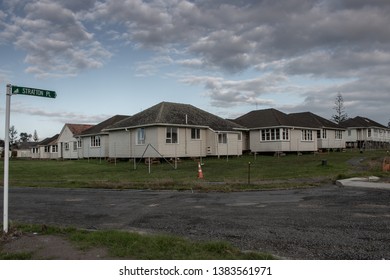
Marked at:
<point>55,41</point>
<point>59,116</point>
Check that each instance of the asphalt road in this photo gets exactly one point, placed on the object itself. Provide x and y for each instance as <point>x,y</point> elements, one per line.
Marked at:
<point>320,223</point>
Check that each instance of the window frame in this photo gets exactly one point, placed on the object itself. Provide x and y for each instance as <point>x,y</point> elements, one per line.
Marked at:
<point>171,135</point>
<point>140,136</point>
<point>95,141</point>
<point>195,133</point>
<point>307,135</point>
<point>222,138</point>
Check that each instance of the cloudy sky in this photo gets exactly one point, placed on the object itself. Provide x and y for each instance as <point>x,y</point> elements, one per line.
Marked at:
<point>225,56</point>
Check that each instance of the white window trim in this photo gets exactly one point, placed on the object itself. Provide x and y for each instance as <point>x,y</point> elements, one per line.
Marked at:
<point>275,134</point>
<point>197,133</point>
<point>138,140</point>
<point>95,141</point>
<point>307,135</point>
<point>167,139</point>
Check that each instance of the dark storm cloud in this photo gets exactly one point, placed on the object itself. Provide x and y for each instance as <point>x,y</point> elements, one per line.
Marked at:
<point>346,42</point>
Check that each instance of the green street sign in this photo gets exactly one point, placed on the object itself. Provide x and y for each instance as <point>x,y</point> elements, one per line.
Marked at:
<point>33,92</point>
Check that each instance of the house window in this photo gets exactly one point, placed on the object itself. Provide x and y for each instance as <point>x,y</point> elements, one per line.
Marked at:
<point>285,135</point>
<point>222,138</point>
<point>140,136</point>
<point>79,143</point>
<point>171,135</point>
<point>239,136</point>
<point>349,132</point>
<point>339,134</point>
<point>47,149</point>
<point>75,146</point>
<point>307,135</point>
<point>273,134</point>
<point>35,150</point>
<point>95,141</point>
<point>66,146</point>
<point>195,133</point>
<point>54,148</point>
<point>369,132</point>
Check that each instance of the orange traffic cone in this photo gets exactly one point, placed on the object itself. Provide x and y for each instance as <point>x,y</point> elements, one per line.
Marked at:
<point>200,173</point>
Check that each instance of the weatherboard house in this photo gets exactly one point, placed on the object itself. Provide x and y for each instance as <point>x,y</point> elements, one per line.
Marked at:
<point>271,130</point>
<point>173,130</point>
<point>330,135</point>
<point>365,133</point>
<point>68,145</point>
<point>94,142</point>
<point>46,149</point>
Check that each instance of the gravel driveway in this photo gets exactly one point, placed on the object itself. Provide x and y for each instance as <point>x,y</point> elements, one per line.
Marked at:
<point>316,223</point>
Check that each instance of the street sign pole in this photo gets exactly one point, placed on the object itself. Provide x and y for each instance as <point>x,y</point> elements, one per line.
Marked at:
<point>6,157</point>
<point>24,91</point>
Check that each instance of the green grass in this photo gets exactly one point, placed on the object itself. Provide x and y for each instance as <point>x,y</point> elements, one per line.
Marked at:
<point>128,245</point>
<point>219,174</point>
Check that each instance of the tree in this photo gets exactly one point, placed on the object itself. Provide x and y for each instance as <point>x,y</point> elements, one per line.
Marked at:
<point>13,135</point>
<point>35,137</point>
<point>24,137</point>
<point>340,115</point>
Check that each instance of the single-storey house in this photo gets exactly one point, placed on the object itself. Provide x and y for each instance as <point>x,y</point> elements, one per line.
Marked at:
<point>68,145</point>
<point>173,130</point>
<point>329,136</point>
<point>271,130</point>
<point>24,149</point>
<point>94,142</point>
<point>365,133</point>
<point>46,149</point>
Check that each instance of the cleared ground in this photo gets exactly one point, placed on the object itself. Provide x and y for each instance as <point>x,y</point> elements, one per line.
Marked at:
<point>315,223</point>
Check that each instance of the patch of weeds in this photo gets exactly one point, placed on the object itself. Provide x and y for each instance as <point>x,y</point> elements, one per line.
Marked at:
<point>16,256</point>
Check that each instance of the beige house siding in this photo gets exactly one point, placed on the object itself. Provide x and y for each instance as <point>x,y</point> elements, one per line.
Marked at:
<point>66,143</point>
<point>232,147</point>
<point>330,142</point>
<point>48,155</point>
<point>89,151</point>
<point>123,144</point>
<point>295,143</point>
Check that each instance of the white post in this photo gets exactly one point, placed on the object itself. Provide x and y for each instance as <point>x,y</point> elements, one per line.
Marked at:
<point>6,157</point>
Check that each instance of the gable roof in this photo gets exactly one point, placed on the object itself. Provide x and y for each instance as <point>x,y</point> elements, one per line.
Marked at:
<point>264,118</point>
<point>77,128</point>
<point>26,145</point>
<point>167,113</point>
<point>361,122</point>
<point>308,119</point>
<point>96,129</point>
<point>49,141</point>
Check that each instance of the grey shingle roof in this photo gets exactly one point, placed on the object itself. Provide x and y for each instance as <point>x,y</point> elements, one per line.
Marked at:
<point>274,118</point>
<point>96,129</point>
<point>308,119</point>
<point>49,141</point>
<point>264,118</point>
<point>176,114</point>
<point>361,122</point>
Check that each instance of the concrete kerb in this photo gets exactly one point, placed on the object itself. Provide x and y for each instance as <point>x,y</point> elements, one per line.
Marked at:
<point>363,182</point>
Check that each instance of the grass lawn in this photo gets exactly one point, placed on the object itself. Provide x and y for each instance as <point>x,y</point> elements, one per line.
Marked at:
<point>129,245</point>
<point>223,174</point>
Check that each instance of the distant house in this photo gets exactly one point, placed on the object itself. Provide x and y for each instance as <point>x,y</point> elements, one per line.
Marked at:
<point>271,130</point>
<point>24,149</point>
<point>67,142</point>
<point>46,149</point>
<point>94,142</point>
<point>365,133</point>
<point>173,130</point>
<point>329,134</point>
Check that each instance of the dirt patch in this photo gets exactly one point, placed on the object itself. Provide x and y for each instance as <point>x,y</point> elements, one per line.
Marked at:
<point>50,247</point>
